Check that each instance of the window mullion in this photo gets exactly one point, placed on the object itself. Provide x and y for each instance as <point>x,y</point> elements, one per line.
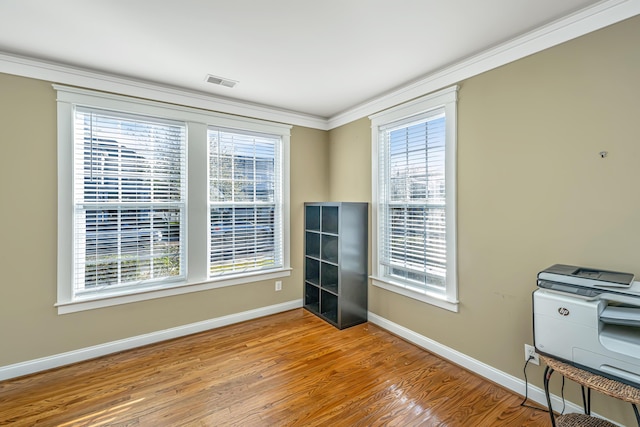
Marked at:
<point>197,219</point>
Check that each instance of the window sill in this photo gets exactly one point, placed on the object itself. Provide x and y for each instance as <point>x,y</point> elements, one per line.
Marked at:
<point>438,300</point>
<point>100,301</point>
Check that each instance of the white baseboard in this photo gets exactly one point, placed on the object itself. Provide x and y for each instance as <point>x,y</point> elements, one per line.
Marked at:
<point>57,360</point>
<point>502,378</point>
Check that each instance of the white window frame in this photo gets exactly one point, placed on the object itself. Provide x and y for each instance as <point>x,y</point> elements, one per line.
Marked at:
<point>445,99</point>
<point>197,277</point>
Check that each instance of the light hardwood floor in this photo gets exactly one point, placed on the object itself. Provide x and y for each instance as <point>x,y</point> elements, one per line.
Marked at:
<point>289,369</point>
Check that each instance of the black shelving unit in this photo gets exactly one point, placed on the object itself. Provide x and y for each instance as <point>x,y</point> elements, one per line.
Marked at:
<point>335,264</point>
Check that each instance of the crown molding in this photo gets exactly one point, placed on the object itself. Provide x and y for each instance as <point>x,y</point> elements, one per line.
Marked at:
<point>600,15</point>
<point>585,21</point>
<point>63,74</point>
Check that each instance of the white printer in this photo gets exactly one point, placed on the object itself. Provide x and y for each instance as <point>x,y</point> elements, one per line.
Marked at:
<point>589,318</point>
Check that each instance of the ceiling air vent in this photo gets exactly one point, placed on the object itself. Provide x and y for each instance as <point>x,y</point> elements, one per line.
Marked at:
<point>220,81</point>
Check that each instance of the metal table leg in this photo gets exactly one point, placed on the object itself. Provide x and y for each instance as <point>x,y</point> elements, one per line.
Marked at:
<point>586,400</point>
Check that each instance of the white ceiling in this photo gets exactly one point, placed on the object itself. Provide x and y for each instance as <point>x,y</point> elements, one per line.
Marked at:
<point>319,58</point>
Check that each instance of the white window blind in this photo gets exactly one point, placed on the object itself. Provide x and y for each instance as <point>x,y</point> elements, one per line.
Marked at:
<point>245,201</point>
<point>412,205</point>
<point>129,200</point>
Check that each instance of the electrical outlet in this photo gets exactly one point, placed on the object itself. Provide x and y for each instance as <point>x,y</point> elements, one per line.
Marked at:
<point>278,285</point>
<point>530,353</point>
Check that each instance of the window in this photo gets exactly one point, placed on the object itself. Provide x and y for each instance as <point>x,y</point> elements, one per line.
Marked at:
<point>414,197</point>
<point>244,213</point>
<point>157,200</point>
<point>129,200</point>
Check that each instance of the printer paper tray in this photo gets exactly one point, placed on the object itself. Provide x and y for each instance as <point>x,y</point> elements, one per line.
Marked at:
<point>626,316</point>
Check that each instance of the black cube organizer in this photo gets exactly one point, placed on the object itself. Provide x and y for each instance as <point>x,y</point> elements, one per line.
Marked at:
<point>335,262</point>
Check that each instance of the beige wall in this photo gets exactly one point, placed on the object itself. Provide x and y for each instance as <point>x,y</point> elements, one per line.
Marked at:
<point>30,327</point>
<point>532,191</point>
<point>350,162</point>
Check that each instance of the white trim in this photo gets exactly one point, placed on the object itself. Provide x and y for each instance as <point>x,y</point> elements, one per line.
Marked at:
<point>197,219</point>
<point>50,362</point>
<point>162,291</point>
<point>433,299</point>
<point>65,205</point>
<point>585,21</point>
<point>42,70</point>
<point>477,367</point>
<point>446,99</point>
<point>196,274</point>
<point>91,98</point>
<point>425,103</point>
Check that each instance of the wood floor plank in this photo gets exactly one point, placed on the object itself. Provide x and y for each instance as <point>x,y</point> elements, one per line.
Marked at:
<point>289,369</point>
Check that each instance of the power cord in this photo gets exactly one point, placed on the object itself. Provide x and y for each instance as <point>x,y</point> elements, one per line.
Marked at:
<point>562,394</point>
<point>526,390</point>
